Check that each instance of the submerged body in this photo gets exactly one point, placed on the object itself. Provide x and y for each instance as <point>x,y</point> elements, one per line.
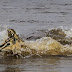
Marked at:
<point>43,46</point>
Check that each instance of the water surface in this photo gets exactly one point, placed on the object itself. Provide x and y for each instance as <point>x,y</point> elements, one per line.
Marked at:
<point>36,64</point>
<point>33,18</point>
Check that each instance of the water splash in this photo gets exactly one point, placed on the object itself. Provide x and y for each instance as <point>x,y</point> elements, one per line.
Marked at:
<point>57,42</point>
<point>3,34</point>
<point>61,35</point>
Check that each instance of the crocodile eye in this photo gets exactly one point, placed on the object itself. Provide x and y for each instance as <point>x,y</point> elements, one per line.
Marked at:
<point>12,34</point>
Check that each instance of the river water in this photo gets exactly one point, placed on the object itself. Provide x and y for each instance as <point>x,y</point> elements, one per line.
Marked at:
<point>31,18</point>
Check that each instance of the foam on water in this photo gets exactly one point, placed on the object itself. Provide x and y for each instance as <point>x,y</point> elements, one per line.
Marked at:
<point>68,32</point>
<point>57,42</point>
<point>3,34</point>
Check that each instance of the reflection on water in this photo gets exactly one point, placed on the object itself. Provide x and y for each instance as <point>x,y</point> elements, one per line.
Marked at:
<point>8,69</point>
<point>30,65</point>
<point>36,64</point>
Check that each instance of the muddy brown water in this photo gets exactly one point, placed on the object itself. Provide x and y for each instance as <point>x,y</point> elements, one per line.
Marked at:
<point>36,64</point>
<point>31,18</point>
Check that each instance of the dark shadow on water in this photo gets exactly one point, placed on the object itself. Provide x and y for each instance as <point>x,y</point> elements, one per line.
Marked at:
<point>8,69</point>
<point>34,64</point>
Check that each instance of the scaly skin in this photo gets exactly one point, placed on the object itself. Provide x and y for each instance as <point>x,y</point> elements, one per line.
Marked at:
<point>12,41</point>
<point>43,46</point>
